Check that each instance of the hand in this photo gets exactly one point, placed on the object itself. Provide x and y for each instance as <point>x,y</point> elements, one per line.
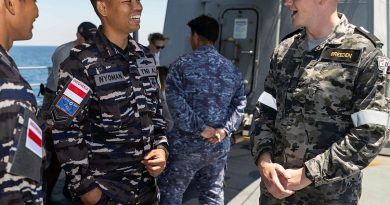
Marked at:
<point>91,197</point>
<point>155,162</point>
<point>298,179</point>
<point>220,134</point>
<point>208,132</point>
<point>274,175</point>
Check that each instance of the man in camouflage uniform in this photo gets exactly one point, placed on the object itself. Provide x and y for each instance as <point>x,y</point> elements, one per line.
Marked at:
<point>323,116</point>
<point>108,131</point>
<point>205,95</point>
<point>21,149</point>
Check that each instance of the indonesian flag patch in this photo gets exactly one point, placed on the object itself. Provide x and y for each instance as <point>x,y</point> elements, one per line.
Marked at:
<point>77,91</point>
<point>34,138</point>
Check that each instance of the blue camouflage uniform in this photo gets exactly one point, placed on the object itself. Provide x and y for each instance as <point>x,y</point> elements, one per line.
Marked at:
<point>203,89</point>
<point>102,134</point>
<point>21,149</point>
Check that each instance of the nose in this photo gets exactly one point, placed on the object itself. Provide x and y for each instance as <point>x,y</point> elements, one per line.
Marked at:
<point>137,6</point>
<point>37,10</point>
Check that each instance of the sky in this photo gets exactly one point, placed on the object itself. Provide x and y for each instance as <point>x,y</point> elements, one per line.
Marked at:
<point>58,20</point>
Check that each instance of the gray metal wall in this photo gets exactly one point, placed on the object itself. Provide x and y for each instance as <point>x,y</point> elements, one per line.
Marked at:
<point>179,12</point>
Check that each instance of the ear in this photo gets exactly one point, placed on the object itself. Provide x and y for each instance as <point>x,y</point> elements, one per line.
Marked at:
<point>101,7</point>
<point>10,6</point>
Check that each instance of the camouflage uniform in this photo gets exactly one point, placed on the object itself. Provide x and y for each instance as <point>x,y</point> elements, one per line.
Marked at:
<point>203,88</point>
<point>324,110</point>
<point>107,117</point>
<point>21,149</point>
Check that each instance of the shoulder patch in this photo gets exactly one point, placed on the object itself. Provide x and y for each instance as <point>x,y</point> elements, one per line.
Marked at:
<point>70,101</point>
<point>383,64</point>
<point>292,34</point>
<point>342,55</point>
<point>370,36</point>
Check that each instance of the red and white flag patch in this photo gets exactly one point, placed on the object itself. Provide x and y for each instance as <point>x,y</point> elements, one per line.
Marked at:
<point>77,91</point>
<point>34,138</point>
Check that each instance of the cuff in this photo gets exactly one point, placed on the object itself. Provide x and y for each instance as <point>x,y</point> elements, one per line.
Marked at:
<point>164,146</point>
<point>313,172</point>
<point>86,185</point>
<point>257,155</point>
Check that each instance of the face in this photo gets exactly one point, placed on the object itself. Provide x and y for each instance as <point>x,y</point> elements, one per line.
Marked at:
<point>157,45</point>
<point>303,12</point>
<point>122,15</point>
<point>26,12</point>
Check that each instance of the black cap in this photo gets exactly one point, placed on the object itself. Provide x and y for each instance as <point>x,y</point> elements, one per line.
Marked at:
<point>87,30</point>
<point>205,26</point>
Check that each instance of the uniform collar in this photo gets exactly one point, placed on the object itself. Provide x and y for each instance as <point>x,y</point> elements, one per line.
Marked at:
<point>108,49</point>
<point>205,48</point>
<point>333,38</point>
<point>4,56</point>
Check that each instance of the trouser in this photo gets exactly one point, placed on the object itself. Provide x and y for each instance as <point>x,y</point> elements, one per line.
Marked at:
<point>148,198</point>
<point>208,170</point>
<point>347,191</point>
<point>52,170</point>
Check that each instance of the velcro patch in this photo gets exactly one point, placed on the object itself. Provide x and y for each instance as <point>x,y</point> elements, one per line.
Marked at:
<point>34,138</point>
<point>67,106</point>
<point>146,67</point>
<point>383,64</point>
<point>76,91</point>
<point>342,55</point>
<point>108,78</point>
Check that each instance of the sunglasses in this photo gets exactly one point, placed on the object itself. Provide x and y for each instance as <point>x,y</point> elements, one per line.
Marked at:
<point>159,47</point>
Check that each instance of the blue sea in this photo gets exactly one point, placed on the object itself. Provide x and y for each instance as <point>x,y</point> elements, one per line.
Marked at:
<point>33,56</point>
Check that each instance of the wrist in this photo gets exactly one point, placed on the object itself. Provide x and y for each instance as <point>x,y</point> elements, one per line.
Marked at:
<point>264,160</point>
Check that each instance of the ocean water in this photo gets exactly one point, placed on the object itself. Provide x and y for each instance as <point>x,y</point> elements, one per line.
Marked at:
<point>33,56</point>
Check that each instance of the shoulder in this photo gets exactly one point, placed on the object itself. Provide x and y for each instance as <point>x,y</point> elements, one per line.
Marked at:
<point>369,36</point>
<point>82,49</point>
<point>287,41</point>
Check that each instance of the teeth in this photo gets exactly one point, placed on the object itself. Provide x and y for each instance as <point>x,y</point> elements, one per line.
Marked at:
<point>135,17</point>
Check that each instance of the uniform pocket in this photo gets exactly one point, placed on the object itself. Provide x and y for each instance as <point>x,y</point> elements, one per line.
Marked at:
<point>115,107</point>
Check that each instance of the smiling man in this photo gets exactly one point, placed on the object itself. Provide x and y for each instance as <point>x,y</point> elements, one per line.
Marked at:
<point>21,149</point>
<point>323,116</point>
<point>108,133</point>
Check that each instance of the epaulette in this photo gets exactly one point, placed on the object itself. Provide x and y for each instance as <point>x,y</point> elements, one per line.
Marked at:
<point>292,34</point>
<point>77,49</point>
<point>370,36</point>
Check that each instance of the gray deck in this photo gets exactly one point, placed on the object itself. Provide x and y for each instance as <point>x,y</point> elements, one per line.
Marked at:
<point>242,181</point>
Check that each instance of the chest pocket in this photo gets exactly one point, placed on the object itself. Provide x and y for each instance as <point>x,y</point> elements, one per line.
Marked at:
<point>114,95</point>
<point>332,84</point>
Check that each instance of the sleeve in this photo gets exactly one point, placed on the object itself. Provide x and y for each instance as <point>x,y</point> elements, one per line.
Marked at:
<point>183,115</point>
<point>236,109</point>
<point>364,141</point>
<point>52,80</point>
<point>69,139</point>
<point>160,128</point>
<point>262,131</point>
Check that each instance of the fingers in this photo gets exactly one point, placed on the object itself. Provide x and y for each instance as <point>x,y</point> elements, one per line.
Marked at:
<point>275,179</point>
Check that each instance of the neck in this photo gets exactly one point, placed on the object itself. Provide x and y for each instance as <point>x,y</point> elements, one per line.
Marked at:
<point>5,40</point>
<point>119,39</point>
<point>324,28</point>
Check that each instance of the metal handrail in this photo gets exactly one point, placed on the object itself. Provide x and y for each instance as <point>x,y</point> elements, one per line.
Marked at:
<point>33,67</point>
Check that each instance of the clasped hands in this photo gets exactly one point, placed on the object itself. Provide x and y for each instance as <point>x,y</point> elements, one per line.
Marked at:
<point>213,135</point>
<point>281,182</point>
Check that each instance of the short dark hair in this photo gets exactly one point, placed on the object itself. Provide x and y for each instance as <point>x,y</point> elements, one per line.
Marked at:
<point>156,37</point>
<point>93,2</point>
<point>205,26</point>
